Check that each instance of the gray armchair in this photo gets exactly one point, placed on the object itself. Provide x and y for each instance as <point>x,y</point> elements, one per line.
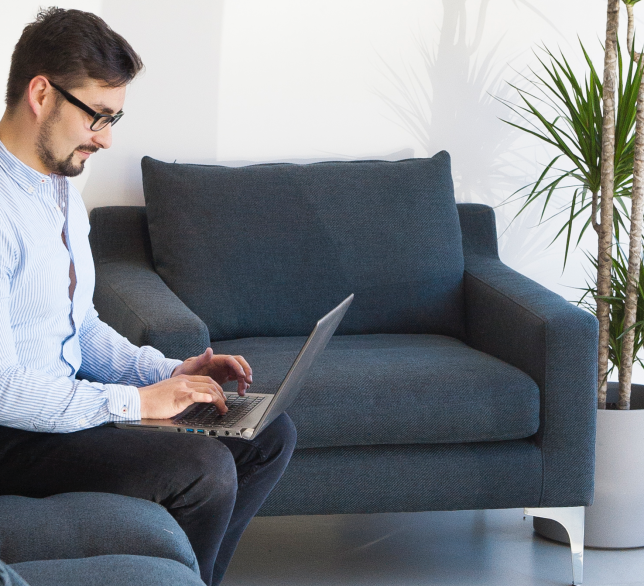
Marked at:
<point>454,382</point>
<point>92,539</point>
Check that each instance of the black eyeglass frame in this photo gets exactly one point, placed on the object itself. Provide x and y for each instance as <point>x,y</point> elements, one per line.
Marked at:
<point>93,113</point>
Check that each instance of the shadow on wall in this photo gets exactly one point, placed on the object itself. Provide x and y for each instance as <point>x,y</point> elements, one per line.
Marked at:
<point>175,101</point>
<point>448,104</point>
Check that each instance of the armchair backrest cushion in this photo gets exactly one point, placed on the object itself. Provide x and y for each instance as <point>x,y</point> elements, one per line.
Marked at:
<point>266,250</point>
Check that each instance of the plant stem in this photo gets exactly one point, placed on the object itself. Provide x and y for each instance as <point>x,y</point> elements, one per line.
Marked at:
<point>604,256</point>
<point>595,205</point>
<point>635,244</point>
<point>631,28</point>
<point>634,259</point>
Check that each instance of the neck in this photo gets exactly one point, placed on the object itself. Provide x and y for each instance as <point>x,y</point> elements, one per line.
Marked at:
<point>20,138</point>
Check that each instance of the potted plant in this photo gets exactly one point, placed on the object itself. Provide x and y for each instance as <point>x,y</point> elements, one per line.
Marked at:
<point>597,128</point>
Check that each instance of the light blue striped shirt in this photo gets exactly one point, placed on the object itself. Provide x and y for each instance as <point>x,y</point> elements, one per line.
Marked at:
<point>46,339</point>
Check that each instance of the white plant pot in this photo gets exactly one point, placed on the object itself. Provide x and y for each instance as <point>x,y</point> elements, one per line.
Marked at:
<point>616,518</point>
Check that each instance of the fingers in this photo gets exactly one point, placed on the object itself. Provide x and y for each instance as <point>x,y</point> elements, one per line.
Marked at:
<point>171,396</point>
<point>206,395</point>
<point>196,378</point>
<point>236,367</point>
<point>198,363</point>
<point>194,363</point>
<point>205,357</point>
<point>240,367</point>
<point>205,384</point>
<point>247,369</point>
<point>240,370</point>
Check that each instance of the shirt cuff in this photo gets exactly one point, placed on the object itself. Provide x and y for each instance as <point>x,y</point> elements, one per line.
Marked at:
<point>123,403</point>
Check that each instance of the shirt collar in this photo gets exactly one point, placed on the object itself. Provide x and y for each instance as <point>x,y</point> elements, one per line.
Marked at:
<point>26,177</point>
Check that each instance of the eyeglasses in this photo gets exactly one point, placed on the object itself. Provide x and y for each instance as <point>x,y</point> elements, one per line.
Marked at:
<point>100,120</point>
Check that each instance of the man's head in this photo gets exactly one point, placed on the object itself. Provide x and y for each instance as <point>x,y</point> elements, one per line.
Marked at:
<point>66,64</point>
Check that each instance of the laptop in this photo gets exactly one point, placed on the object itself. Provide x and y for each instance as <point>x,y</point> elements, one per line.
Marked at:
<point>247,416</point>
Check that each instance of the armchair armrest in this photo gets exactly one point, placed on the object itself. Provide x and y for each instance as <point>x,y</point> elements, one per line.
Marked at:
<point>85,524</point>
<point>524,324</point>
<point>131,296</point>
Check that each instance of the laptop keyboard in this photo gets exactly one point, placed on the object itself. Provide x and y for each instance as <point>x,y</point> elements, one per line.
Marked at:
<point>206,414</point>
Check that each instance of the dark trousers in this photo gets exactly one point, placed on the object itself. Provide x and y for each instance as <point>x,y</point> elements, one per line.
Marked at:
<point>212,487</point>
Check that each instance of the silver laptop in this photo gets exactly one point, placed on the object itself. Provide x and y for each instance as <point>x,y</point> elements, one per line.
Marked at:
<point>247,416</point>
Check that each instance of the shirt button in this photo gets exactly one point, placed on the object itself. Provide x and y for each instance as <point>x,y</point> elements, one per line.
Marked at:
<point>82,422</point>
<point>30,189</point>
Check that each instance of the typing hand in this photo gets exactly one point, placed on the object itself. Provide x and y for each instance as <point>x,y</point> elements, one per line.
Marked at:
<point>220,367</point>
<point>169,397</point>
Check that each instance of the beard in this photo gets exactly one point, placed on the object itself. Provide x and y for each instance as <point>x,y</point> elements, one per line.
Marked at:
<point>47,157</point>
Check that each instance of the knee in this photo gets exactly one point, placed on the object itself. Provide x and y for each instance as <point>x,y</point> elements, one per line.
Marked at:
<point>218,466</point>
<point>280,436</point>
<point>288,432</point>
<point>211,467</point>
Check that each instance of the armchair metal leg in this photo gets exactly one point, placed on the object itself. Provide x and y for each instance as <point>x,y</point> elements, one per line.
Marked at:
<point>572,519</point>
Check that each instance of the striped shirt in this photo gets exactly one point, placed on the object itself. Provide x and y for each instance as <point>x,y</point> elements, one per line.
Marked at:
<point>61,368</point>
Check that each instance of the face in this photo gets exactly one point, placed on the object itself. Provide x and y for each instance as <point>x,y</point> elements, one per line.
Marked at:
<point>65,140</point>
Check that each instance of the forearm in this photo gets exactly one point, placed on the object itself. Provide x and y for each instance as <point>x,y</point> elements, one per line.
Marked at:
<point>109,357</point>
<point>35,401</point>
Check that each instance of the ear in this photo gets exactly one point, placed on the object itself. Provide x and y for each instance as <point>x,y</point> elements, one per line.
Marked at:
<point>40,96</point>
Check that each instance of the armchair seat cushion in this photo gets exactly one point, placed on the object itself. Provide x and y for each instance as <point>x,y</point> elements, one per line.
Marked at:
<point>396,389</point>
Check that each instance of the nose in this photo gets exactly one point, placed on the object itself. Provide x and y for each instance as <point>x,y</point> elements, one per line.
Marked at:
<point>103,138</point>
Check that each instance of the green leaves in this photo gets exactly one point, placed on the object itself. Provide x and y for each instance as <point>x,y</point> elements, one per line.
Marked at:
<point>617,302</point>
<point>566,113</point>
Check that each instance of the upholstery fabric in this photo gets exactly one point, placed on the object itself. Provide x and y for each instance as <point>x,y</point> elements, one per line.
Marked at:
<point>478,227</point>
<point>9,577</point>
<point>79,525</point>
<point>378,479</point>
<point>130,296</point>
<point>107,570</point>
<point>396,389</point>
<point>508,317</point>
<point>265,250</point>
<point>524,324</point>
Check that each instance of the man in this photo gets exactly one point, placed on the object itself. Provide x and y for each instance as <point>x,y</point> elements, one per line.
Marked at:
<point>63,372</point>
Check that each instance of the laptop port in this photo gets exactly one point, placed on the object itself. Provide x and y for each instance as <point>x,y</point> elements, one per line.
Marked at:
<point>200,431</point>
<point>212,433</point>
<point>227,433</point>
<point>189,430</point>
<point>179,429</point>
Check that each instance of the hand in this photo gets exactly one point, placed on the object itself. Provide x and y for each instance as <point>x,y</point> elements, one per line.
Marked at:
<point>220,367</point>
<point>171,396</point>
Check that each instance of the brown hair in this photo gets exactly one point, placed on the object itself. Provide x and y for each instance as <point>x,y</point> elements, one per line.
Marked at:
<point>67,47</point>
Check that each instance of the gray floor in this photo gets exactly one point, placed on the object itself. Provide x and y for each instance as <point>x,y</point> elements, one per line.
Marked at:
<point>477,548</point>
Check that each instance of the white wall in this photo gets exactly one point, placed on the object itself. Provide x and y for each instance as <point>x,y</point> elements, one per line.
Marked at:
<point>243,81</point>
